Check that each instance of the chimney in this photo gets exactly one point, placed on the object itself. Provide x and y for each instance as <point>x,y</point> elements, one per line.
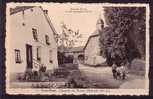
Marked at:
<point>45,11</point>
<point>11,10</point>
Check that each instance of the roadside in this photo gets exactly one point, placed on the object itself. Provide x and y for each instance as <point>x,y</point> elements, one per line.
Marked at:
<point>84,76</point>
<point>102,77</point>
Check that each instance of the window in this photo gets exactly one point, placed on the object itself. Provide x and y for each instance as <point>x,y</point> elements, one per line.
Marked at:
<point>35,35</point>
<point>17,56</point>
<point>50,56</point>
<point>38,53</point>
<point>47,39</point>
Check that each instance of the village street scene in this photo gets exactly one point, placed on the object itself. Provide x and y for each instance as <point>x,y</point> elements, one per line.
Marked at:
<point>76,46</point>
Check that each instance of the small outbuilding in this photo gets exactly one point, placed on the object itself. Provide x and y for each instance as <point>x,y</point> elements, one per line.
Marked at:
<point>77,53</point>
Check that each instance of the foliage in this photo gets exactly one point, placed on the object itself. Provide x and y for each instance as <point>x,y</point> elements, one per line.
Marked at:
<point>68,37</point>
<point>42,69</point>
<point>61,72</point>
<point>30,75</point>
<point>124,39</point>
<point>77,80</point>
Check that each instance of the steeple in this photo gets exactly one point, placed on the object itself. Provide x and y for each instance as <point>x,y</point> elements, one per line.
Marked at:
<point>99,24</point>
<point>100,21</point>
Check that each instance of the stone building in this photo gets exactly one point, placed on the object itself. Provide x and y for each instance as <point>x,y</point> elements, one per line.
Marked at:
<point>92,47</point>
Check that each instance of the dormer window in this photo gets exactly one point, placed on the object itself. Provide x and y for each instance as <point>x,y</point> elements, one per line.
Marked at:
<point>35,35</point>
<point>47,39</point>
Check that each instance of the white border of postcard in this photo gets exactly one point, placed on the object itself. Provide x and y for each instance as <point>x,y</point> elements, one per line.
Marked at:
<point>43,91</point>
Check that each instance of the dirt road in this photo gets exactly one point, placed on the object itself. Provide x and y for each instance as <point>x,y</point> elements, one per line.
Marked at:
<point>102,76</point>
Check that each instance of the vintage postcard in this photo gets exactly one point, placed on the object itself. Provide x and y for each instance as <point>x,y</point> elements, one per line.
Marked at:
<point>77,48</point>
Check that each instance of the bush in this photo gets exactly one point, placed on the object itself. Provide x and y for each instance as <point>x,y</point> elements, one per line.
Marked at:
<point>137,67</point>
<point>76,80</point>
<point>61,72</point>
<point>70,66</point>
<point>28,75</point>
<point>42,69</point>
<point>20,76</point>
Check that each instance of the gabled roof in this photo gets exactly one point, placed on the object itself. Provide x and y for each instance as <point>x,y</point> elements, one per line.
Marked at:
<point>94,34</point>
<point>23,8</point>
<point>49,21</point>
<point>19,9</point>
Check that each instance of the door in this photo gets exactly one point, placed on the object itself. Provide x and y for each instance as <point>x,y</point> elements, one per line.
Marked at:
<point>29,56</point>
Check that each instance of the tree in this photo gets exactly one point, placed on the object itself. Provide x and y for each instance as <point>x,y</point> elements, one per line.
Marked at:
<point>68,38</point>
<point>119,41</point>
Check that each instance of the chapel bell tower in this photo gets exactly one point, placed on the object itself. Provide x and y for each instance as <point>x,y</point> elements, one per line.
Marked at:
<point>99,25</point>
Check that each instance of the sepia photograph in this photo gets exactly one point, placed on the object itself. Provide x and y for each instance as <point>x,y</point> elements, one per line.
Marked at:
<point>77,48</point>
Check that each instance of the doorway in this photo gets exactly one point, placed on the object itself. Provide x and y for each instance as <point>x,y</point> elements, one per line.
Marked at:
<point>29,56</point>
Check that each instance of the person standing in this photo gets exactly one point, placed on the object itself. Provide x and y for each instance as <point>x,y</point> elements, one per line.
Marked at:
<point>114,66</point>
<point>35,72</point>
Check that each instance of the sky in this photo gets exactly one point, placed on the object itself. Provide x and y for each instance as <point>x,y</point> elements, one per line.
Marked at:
<point>75,16</point>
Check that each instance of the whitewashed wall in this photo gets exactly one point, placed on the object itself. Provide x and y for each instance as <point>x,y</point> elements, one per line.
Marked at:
<point>92,52</point>
<point>18,36</point>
